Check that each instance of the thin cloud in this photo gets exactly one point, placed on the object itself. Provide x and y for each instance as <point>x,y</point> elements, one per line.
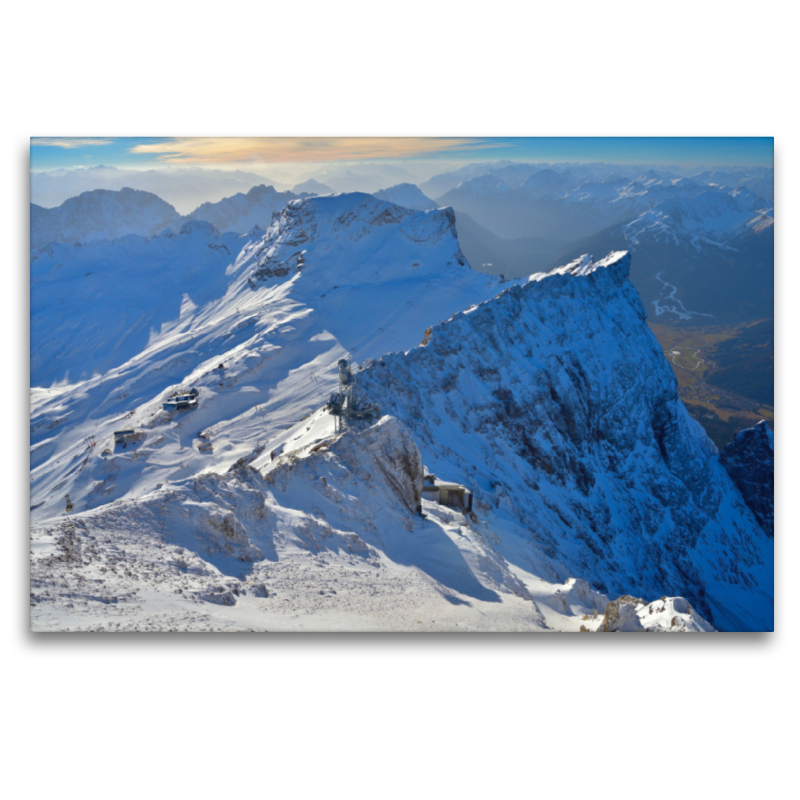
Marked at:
<point>293,149</point>
<point>68,143</point>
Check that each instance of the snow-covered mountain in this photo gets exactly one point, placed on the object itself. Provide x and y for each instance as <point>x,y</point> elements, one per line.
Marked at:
<point>324,536</point>
<point>707,257</point>
<point>711,217</point>
<point>101,214</point>
<point>562,205</point>
<point>365,176</point>
<point>484,251</point>
<point>550,400</point>
<point>183,187</point>
<point>115,326</point>
<point>555,403</point>
<point>238,214</point>
<point>406,194</point>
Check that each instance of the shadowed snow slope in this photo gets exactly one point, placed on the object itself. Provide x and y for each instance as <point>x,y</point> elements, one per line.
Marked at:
<point>750,461</point>
<point>323,537</point>
<point>554,403</point>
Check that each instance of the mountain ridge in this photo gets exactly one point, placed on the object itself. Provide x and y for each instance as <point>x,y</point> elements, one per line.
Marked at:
<point>584,438</point>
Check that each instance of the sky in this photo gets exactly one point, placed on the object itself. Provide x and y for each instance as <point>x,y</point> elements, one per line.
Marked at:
<point>51,153</point>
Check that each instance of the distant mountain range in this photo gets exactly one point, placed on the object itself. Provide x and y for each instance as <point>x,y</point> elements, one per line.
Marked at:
<point>185,187</point>
<point>361,177</point>
<point>312,187</point>
<point>238,214</point>
<point>101,214</point>
<point>556,205</point>
<point>407,195</point>
<point>701,252</point>
<point>707,258</point>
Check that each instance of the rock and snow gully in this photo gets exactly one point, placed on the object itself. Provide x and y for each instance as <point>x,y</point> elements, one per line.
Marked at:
<point>551,400</point>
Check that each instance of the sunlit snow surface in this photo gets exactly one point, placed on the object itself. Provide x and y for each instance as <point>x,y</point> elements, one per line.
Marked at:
<point>244,514</point>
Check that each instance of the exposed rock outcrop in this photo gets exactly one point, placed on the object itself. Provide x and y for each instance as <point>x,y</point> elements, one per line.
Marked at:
<point>750,461</point>
<point>629,614</point>
<point>620,616</point>
<point>554,401</point>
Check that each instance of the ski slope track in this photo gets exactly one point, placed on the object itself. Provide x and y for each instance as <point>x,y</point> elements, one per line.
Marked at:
<point>550,400</point>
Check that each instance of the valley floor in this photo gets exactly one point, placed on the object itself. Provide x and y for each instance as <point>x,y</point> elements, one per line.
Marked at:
<point>691,352</point>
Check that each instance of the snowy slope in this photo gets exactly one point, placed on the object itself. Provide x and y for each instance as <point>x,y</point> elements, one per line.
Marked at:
<point>550,400</point>
<point>98,305</point>
<point>554,402</point>
<point>278,309</point>
<point>101,214</point>
<point>324,536</point>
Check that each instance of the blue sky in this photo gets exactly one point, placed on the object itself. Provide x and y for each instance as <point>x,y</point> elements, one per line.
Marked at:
<point>142,152</point>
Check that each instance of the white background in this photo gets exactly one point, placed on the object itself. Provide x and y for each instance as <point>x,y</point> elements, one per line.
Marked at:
<point>197,716</point>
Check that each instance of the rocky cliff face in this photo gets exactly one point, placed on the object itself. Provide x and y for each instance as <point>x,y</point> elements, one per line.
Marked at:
<point>554,403</point>
<point>750,461</point>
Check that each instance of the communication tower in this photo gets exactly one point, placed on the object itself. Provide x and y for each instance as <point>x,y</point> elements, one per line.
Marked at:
<point>349,411</point>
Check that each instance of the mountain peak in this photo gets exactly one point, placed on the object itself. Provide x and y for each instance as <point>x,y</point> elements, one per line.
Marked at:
<point>327,222</point>
<point>406,194</point>
<point>617,262</point>
<point>312,186</point>
<point>101,214</point>
<point>259,192</point>
<point>199,226</point>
